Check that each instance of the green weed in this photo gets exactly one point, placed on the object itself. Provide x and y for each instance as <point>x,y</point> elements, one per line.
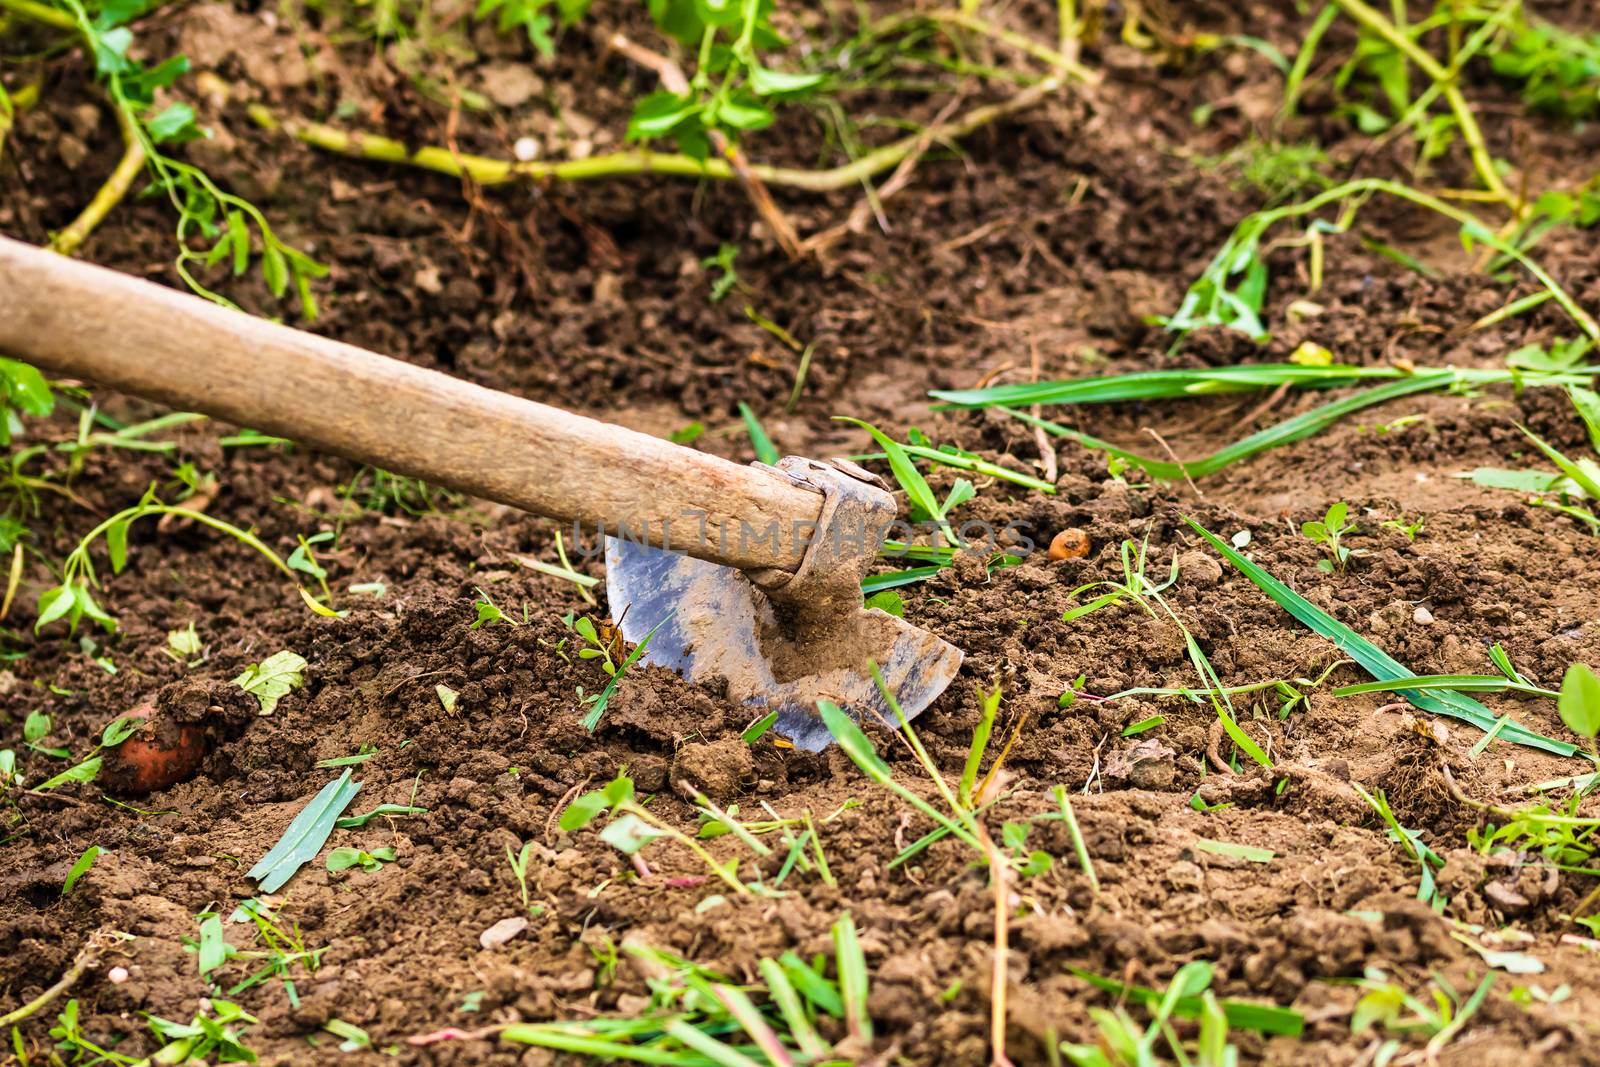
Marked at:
<point>1329,532</point>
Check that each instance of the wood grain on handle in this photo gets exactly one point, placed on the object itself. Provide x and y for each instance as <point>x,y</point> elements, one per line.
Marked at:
<point>77,320</point>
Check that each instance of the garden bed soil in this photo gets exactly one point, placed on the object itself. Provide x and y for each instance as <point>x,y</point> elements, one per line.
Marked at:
<point>1046,243</point>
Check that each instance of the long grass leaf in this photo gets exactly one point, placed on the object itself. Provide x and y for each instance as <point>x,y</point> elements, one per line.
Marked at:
<point>1372,659</point>
<point>852,964</point>
<point>1262,1018</point>
<point>782,993</point>
<point>1294,429</point>
<point>766,451</point>
<point>906,473</point>
<point>1583,478</point>
<point>1163,384</point>
<point>306,835</point>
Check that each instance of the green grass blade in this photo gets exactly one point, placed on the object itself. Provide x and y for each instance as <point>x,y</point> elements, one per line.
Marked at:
<point>783,994</point>
<point>1301,426</point>
<point>906,473</point>
<point>1583,478</point>
<point>307,833</point>
<point>1162,385</point>
<point>546,1036</point>
<point>852,964</point>
<point>1465,683</point>
<point>766,451</point>
<point>1372,659</point>
<point>1262,1018</point>
<point>877,583</point>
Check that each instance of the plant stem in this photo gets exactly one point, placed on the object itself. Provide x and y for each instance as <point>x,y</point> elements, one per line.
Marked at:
<point>485,171</point>
<point>87,956</point>
<point>1446,80</point>
<point>690,843</point>
<point>673,81</point>
<point>41,13</point>
<point>110,194</point>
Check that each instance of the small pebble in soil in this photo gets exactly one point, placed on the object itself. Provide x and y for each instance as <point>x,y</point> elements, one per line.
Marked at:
<point>1200,568</point>
<point>1422,616</point>
<point>1071,543</point>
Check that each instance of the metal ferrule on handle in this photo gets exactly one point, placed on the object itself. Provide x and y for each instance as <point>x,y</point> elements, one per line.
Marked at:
<point>76,320</point>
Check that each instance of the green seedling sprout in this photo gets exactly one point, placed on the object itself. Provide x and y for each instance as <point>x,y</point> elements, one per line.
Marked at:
<point>631,827</point>
<point>1330,532</point>
<point>341,859</point>
<point>518,862</point>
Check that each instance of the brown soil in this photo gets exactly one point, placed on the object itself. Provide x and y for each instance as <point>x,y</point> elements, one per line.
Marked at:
<point>1055,233</point>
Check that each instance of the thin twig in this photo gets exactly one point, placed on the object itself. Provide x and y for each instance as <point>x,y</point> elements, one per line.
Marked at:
<point>86,958</point>
<point>1162,441</point>
<point>1047,451</point>
<point>674,82</point>
<point>864,209</point>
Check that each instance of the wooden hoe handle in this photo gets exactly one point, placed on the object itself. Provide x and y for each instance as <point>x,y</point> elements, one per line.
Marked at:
<point>76,320</point>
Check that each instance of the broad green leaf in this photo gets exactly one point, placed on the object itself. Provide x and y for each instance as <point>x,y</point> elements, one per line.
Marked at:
<point>213,948</point>
<point>767,82</point>
<point>1580,701</point>
<point>86,771</point>
<point>628,833</point>
<point>239,236</point>
<point>583,810</point>
<point>81,867</point>
<point>35,727</point>
<point>174,123</point>
<point>25,388</point>
<point>306,834</point>
<point>342,858</point>
<point>887,601</point>
<point>54,603</point>
<point>117,545</point>
<point>273,678</point>
<point>1525,481</point>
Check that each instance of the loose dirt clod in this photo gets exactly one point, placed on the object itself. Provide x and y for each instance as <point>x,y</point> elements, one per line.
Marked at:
<point>718,769</point>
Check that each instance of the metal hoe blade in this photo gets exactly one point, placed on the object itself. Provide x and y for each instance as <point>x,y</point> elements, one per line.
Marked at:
<point>721,626</point>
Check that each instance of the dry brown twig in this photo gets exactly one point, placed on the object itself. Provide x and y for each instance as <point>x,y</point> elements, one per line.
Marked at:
<point>674,82</point>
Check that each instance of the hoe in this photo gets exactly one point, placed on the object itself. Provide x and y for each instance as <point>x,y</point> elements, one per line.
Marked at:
<point>749,574</point>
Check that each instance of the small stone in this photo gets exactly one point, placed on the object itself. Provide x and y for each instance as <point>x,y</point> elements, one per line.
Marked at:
<point>1422,616</point>
<point>526,149</point>
<point>427,280</point>
<point>1199,568</point>
<point>1071,543</point>
<point>502,931</point>
<point>607,288</point>
<point>510,84</point>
